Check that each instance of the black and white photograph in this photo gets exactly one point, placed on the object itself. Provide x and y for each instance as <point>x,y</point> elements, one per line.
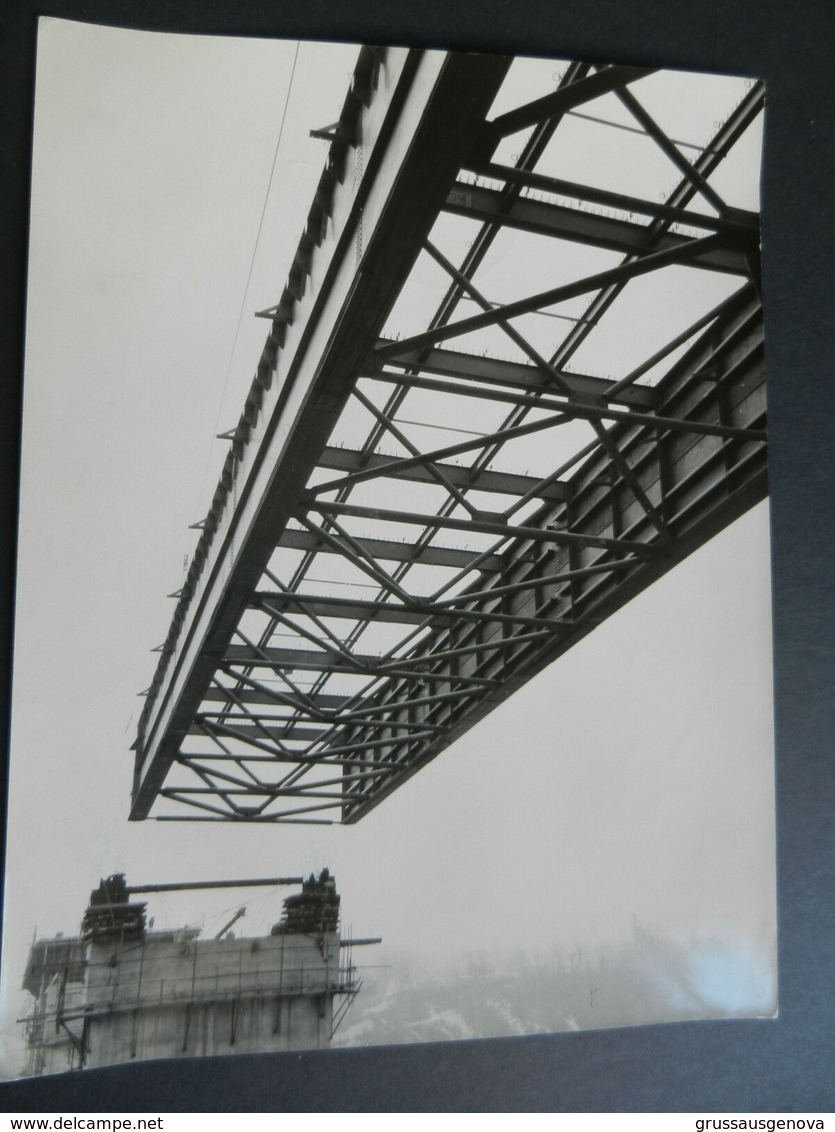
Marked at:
<point>393,630</point>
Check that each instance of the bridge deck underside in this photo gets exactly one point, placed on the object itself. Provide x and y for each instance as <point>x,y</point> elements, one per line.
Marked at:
<point>549,394</point>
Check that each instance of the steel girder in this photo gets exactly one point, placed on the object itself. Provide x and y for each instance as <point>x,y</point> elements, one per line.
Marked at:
<point>283,696</point>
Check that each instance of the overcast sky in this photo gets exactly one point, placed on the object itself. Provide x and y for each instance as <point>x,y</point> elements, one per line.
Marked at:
<point>632,779</point>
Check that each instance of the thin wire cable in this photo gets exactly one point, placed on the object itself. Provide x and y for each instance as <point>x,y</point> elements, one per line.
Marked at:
<point>249,275</point>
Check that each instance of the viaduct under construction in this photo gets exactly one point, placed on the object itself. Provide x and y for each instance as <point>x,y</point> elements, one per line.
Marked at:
<point>119,991</point>
<point>513,378</point>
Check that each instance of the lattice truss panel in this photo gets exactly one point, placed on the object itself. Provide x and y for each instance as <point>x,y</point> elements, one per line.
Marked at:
<point>516,375</point>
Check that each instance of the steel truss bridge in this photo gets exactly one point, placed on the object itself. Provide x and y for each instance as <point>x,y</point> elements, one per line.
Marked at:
<point>516,375</point>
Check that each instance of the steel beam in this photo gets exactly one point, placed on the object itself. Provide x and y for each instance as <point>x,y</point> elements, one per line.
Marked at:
<point>565,98</point>
<point>491,524</point>
<point>388,550</point>
<point>544,218</point>
<point>353,609</point>
<point>477,479</point>
<point>500,372</point>
<point>737,223</point>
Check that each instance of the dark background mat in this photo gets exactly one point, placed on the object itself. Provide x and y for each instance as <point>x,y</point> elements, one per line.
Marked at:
<point>782,1065</point>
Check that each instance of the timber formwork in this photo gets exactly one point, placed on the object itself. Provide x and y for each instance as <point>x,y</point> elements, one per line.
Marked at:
<point>367,585</point>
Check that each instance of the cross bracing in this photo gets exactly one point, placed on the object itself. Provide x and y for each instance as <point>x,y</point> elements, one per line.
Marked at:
<point>514,377</point>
